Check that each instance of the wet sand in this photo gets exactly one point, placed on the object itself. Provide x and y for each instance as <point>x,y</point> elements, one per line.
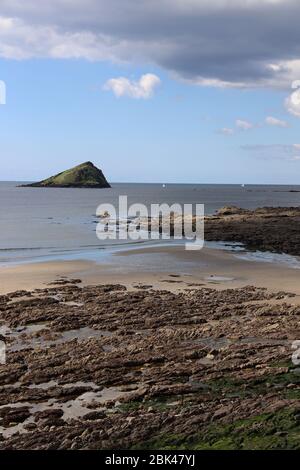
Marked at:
<point>169,267</point>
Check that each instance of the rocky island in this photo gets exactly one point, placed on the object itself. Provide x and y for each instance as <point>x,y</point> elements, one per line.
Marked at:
<point>86,175</point>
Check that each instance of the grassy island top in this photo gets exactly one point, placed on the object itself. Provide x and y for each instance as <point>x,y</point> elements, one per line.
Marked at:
<point>86,175</point>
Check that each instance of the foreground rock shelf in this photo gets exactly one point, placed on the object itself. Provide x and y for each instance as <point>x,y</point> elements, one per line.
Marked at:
<point>106,368</point>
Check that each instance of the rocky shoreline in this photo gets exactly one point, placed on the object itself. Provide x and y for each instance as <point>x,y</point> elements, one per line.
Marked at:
<point>106,368</point>
<point>275,229</point>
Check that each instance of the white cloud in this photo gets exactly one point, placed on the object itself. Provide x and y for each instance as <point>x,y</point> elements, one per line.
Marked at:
<point>227,131</point>
<point>244,125</point>
<point>19,40</point>
<point>292,103</point>
<point>240,124</point>
<point>143,88</point>
<point>272,121</point>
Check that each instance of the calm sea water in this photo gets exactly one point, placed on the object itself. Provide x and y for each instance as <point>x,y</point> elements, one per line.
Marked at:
<point>38,223</point>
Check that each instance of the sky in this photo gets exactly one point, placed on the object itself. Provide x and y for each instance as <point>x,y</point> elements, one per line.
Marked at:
<point>173,91</point>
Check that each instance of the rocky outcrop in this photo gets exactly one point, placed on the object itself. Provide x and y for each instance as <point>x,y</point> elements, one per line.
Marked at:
<point>275,229</point>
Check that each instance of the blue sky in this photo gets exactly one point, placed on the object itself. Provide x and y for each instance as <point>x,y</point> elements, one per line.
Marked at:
<point>58,114</point>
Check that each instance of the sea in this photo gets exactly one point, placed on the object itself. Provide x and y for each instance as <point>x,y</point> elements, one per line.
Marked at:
<point>39,224</point>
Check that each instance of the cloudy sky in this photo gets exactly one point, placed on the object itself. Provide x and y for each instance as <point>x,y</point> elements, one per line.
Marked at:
<point>151,90</point>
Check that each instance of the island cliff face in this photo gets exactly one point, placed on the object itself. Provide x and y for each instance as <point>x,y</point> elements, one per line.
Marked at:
<point>85,175</point>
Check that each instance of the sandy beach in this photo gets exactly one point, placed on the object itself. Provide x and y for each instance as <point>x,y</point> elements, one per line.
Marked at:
<point>208,267</point>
